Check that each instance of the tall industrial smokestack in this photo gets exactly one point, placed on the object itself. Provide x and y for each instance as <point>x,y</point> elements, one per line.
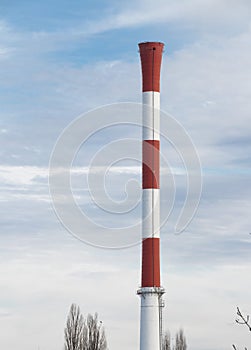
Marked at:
<point>151,291</point>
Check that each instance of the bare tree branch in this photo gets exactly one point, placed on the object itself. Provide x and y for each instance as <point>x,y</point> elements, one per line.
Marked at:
<point>244,320</point>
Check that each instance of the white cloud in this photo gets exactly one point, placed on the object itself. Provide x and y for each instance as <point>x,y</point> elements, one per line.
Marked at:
<point>216,73</point>
<point>4,52</point>
<point>214,15</point>
<point>21,175</point>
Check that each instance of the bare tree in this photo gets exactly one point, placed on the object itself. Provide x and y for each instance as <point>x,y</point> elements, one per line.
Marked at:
<point>94,337</point>
<point>74,329</point>
<point>83,334</point>
<point>180,341</point>
<point>166,342</point>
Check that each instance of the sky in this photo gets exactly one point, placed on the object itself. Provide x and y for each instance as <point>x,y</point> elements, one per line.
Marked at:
<point>61,60</point>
